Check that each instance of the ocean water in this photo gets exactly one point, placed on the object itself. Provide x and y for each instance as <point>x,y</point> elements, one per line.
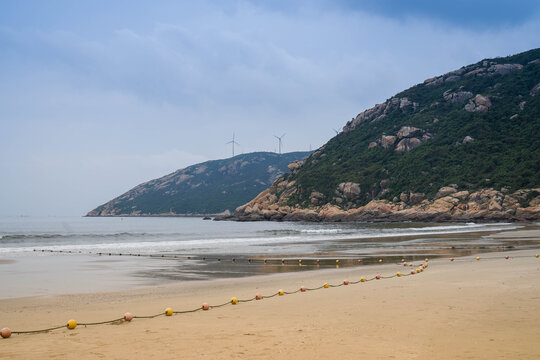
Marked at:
<point>51,254</point>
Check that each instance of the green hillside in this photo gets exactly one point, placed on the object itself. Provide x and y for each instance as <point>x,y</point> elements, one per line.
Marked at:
<point>476,127</point>
<point>206,188</point>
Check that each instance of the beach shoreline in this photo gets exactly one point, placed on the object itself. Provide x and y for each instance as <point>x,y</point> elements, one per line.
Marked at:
<point>463,308</point>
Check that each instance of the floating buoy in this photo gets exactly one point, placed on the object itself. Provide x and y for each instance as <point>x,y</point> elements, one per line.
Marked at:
<point>402,260</point>
<point>506,257</point>
<point>362,279</point>
<point>281,292</point>
<point>380,260</point>
<point>411,264</point>
<point>233,259</point>
<point>398,274</point>
<point>424,266</point>
<point>326,286</point>
<point>318,261</point>
<point>265,261</point>
<point>303,289</point>
<point>71,324</point>
<point>5,332</point>
<point>258,296</point>
<point>536,256</point>
<point>478,258</point>
<point>300,261</point>
<point>451,259</point>
<point>168,311</point>
<point>249,261</point>
<point>345,282</point>
<point>337,261</point>
<point>283,261</point>
<point>427,259</point>
<point>417,270</point>
<point>404,264</point>
<point>128,316</point>
<point>412,272</point>
<point>378,276</point>
<point>205,306</point>
<point>359,261</point>
<point>234,301</point>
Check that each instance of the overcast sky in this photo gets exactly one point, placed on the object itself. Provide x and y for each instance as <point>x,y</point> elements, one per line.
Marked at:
<point>99,96</point>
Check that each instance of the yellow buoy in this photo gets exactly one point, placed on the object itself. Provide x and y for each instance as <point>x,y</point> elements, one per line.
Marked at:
<point>362,279</point>
<point>326,286</point>
<point>427,259</point>
<point>398,274</point>
<point>380,260</point>
<point>536,255</point>
<point>234,301</point>
<point>478,258</point>
<point>299,261</point>
<point>337,261</point>
<point>71,324</point>
<point>281,292</point>
<point>410,264</point>
<point>417,270</point>
<point>168,311</point>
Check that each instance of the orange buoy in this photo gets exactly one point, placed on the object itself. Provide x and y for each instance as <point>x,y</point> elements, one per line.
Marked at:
<point>402,260</point>
<point>506,257</point>
<point>345,282</point>
<point>168,311</point>
<point>378,276</point>
<point>205,306</point>
<point>303,289</point>
<point>412,272</point>
<point>404,264</point>
<point>362,279</point>
<point>71,324</point>
<point>326,286</point>
<point>258,296</point>
<point>128,316</point>
<point>234,301</point>
<point>5,332</point>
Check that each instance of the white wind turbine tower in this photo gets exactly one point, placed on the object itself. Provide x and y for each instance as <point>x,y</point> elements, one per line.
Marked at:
<point>233,142</point>
<point>279,139</point>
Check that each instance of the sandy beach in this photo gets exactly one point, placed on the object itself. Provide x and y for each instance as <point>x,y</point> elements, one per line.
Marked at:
<point>466,309</point>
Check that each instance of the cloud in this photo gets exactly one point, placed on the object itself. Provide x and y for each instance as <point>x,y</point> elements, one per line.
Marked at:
<point>101,101</point>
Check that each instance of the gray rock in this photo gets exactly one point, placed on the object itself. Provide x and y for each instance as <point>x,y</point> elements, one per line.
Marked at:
<point>408,131</point>
<point>467,139</point>
<point>387,141</point>
<point>478,104</point>
<point>452,78</point>
<point>349,190</point>
<point>535,89</point>
<point>457,97</point>
<point>416,198</point>
<point>407,144</point>
<point>503,69</point>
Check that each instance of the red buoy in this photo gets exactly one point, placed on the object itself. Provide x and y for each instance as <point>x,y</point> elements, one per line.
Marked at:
<point>345,282</point>
<point>258,296</point>
<point>378,276</point>
<point>128,316</point>
<point>5,332</point>
<point>303,289</point>
<point>205,306</point>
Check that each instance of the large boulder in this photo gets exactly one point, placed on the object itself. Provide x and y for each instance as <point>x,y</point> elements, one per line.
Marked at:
<point>348,190</point>
<point>407,144</point>
<point>480,103</point>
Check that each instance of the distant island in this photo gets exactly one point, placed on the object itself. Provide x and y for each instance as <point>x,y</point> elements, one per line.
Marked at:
<point>461,146</point>
<point>207,188</point>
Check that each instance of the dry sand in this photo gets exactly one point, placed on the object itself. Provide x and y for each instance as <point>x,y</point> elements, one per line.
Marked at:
<point>465,309</point>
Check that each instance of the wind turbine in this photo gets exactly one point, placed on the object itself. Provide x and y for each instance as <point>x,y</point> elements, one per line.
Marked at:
<point>279,139</point>
<point>233,142</point>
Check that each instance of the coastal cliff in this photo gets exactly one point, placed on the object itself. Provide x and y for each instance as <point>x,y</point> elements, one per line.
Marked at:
<point>460,146</point>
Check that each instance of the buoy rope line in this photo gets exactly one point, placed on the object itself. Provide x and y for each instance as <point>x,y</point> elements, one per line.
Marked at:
<point>72,324</point>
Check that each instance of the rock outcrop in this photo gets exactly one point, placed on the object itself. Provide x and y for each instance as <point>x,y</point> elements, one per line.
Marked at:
<point>449,204</point>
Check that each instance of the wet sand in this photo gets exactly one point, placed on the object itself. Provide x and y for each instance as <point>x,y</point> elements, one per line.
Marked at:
<point>485,309</point>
